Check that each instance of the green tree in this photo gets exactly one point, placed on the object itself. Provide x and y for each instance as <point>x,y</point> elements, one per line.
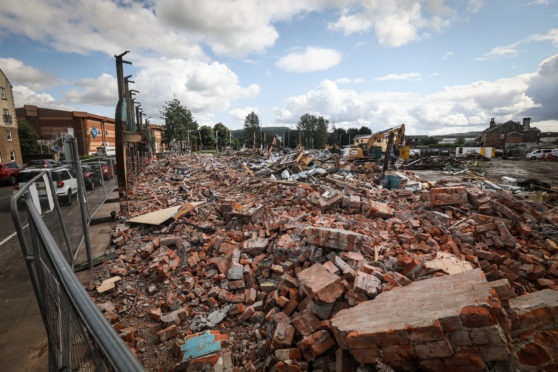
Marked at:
<point>427,141</point>
<point>252,128</point>
<point>28,137</point>
<point>364,130</point>
<point>207,137</point>
<point>307,127</point>
<point>179,124</point>
<point>460,141</point>
<point>222,135</point>
<point>321,133</point>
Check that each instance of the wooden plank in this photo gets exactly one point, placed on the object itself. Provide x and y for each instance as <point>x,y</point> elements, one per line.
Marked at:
<point>249,170</point>
<point>157,217</point>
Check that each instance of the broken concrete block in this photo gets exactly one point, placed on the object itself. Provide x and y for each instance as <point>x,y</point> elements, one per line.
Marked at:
<point>320,285</point>
<point>254,247</point>
<point>367,284</point>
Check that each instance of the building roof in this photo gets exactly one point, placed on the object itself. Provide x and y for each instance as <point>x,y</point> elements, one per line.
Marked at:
<point>362,136</point>
<point>8,80</point>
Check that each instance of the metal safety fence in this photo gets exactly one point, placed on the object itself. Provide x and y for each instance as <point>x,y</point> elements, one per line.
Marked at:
<point>79,336</point>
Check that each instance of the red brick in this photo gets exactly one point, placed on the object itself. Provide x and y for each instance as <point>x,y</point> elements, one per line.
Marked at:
<point>448,195</point>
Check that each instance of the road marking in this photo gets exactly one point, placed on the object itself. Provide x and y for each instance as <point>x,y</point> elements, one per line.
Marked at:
<point>11,236</point>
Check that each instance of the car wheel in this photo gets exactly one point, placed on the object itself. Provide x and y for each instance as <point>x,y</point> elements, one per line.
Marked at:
<point>533,158</point>
<point>12,180</point>
<point>69,197</point>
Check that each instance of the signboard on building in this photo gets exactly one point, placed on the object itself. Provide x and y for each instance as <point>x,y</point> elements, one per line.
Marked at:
<point>94,132</point>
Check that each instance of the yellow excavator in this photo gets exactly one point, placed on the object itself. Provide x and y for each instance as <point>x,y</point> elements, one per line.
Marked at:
<point>373,148</point>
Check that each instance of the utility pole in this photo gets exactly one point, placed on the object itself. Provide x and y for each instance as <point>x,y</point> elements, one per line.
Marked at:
<point>119,135</point>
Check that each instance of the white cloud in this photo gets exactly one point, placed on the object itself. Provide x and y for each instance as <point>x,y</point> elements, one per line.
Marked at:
<point>412,76</point>
<point>22,74</point>
<point>455,108</point>
<point>346,80</point>
<point>239,114</point>
<point>475,5</point>
<point>26,96</point>
<point>204,88</point>
<point>102,91</point>
<point>398,22</point>
<point>448,55</point>
<point>510,50</point>
<point>309,60</point>
<point>83,26</point>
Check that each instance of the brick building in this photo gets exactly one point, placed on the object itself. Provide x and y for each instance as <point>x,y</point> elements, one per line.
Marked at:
<point>508,133</point>
<point>90,130</point>
<point>10,149</point>
<point>157,132</point>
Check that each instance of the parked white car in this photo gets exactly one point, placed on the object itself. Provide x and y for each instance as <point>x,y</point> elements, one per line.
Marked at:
<point>538,154</point>
<point>64,181</point>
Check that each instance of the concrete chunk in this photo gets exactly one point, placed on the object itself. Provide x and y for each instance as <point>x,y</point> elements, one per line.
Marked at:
<point>320,285</point>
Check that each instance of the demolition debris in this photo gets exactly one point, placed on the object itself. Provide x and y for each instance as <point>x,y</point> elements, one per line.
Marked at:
<point>299,262</point>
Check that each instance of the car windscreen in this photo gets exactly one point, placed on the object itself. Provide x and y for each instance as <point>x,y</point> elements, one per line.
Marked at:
<point>27,176</point>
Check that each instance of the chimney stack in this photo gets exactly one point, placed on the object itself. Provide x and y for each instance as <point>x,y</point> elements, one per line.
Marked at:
<point>492,123</point>
<point>526,123</point>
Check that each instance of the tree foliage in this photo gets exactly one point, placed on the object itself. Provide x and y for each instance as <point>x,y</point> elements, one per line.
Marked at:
<point>427,141</point>
<point>179,123</point>
<point>28,137</point>
<point>207,137</point>
<point>252,128</point>
<point>312,131</point>
<point>364,130</point>
<point>222,135</point>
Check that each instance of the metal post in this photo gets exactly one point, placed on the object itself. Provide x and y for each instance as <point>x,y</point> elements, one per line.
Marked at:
<point>119,140</point>
<point>76,164</point>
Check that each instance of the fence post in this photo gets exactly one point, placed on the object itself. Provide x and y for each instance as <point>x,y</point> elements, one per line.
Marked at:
<point>72,155</point>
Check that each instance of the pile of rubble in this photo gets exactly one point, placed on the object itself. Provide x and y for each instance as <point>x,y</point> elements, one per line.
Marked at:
<point>256,273</point>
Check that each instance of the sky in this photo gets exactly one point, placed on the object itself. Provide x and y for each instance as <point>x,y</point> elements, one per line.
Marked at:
<point>437,66</point>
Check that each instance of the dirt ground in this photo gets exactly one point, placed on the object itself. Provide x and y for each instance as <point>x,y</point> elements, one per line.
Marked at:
<point>496,168</point>
<point>545,171</point>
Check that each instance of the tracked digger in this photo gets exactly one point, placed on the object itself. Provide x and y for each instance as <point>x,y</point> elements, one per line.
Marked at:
<point>372,149</point>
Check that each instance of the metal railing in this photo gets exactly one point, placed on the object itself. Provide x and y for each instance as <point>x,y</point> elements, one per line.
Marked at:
<point>79,336</point>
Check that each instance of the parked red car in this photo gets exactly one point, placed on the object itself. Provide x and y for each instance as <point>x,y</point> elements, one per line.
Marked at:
<point>108,169</point>
<point>8,172</point>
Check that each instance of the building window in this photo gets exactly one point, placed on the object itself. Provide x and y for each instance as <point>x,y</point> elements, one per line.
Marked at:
<point>9,134</point>
<point>3,93</point>
<point>12,156</point>
<point>106,133</point>
<point>7,117</point>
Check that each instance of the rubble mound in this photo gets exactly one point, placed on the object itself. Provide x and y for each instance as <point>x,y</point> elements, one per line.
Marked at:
<point>254,273</point>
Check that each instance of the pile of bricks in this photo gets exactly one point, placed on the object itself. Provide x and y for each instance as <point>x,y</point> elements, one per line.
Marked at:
<point>289,276</point>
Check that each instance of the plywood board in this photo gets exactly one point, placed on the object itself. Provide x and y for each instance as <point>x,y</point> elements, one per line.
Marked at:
<point>157,217</point>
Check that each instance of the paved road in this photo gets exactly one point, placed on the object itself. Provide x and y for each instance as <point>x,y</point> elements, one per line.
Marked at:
<point>23,342</point>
